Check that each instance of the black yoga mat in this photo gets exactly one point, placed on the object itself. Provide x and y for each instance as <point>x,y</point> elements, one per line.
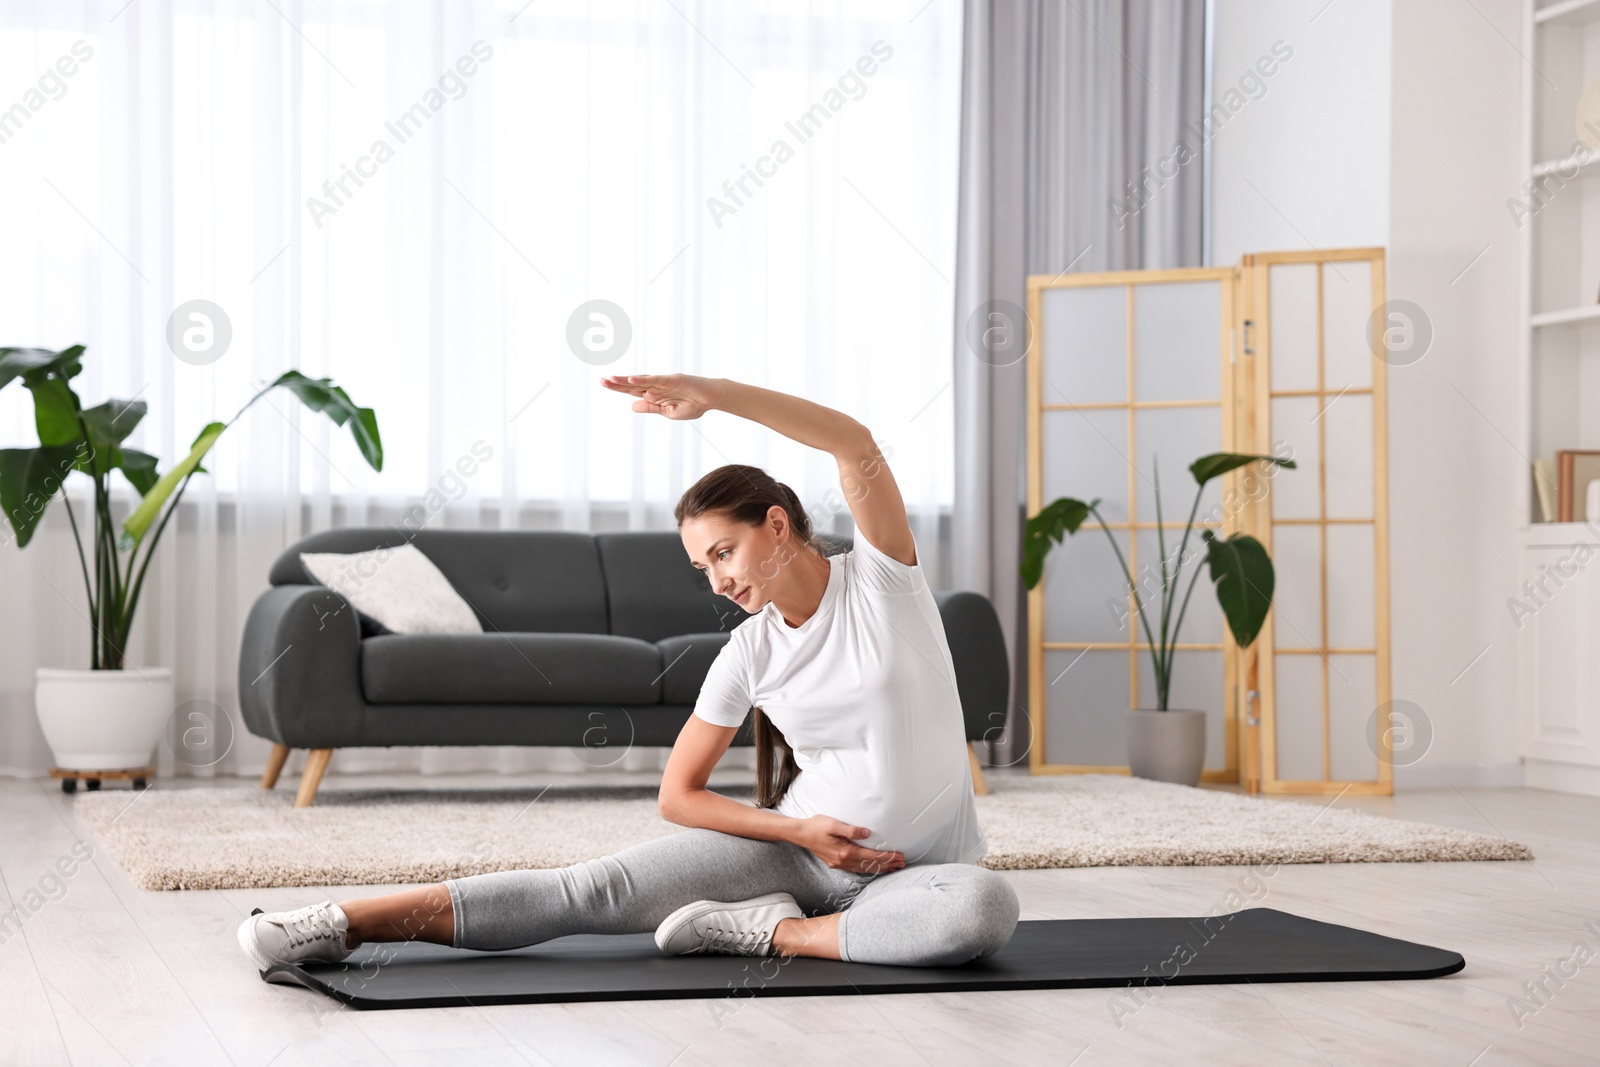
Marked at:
<point>1254,945</point>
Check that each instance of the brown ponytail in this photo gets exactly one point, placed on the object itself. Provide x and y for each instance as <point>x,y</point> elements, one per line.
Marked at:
<point>769,740</point>
<point>745,494</point>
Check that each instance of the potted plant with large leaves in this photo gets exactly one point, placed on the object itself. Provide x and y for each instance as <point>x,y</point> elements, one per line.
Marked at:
<point>111,715</point>
<point>1164,743</point>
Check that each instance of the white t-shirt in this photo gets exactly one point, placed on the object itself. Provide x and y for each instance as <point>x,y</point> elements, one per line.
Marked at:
<point>864,691</point>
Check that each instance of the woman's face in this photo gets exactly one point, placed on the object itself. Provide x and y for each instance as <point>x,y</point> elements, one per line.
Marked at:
<point>742,563</point>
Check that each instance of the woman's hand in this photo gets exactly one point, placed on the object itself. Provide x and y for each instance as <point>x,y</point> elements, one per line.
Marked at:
<point>833,842</point>
<point>677,396</point>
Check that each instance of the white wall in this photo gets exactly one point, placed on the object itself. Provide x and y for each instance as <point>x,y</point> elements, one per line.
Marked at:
<point>1455,150</point>
<point>1307,163</point>
<point>1397,125</point>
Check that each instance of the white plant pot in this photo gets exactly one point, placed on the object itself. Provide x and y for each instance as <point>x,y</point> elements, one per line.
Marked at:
<point>102,720</point>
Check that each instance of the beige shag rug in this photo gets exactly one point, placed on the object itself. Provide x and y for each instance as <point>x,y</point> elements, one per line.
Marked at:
<point>241,838</point>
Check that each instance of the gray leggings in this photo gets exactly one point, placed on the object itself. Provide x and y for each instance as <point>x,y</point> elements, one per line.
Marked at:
<point>935,915</point>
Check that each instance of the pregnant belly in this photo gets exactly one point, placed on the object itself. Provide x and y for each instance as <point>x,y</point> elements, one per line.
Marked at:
<point>904,813</point>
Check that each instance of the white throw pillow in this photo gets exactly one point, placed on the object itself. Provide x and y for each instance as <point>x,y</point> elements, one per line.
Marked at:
<point>400,588</point>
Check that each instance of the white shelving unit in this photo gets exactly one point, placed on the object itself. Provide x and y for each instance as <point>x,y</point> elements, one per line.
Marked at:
<point>1559,318</point>
<point>1559,372</point>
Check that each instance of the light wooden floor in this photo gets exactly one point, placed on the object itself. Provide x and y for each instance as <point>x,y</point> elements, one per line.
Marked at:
<point>111,974</point>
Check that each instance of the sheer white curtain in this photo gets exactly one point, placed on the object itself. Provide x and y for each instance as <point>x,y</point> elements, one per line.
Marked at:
<point>415,199</point>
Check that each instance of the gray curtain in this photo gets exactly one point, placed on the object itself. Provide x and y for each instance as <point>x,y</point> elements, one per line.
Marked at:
<point>1082,149</point>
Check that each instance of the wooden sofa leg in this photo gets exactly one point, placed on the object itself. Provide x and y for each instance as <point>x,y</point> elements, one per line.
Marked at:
<point>979,786</point>
<point>311,777</point>
<point>269,777</point>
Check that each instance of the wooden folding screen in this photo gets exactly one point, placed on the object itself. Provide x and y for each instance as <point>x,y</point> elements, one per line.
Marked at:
<point>1133,375</point>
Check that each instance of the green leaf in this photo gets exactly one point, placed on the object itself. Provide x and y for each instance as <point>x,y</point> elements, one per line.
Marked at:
<point>1056,519</point>
<point>1218,463</point>
<point>111,423</point>
<point>140,469</point>
<point>1242,572</point>
<point>320,394</point>
<point>108,424</point>
<point>137,524</point>
<point>29,477</point>
<point>45,373</point>
<point>69,362</point>
<point>104,459</point>
<point>55,410</point>
<point>31,362</point>
<point>365,430</point>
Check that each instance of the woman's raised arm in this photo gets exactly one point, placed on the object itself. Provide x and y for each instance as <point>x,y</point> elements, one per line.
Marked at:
<point>869,488</point>
<point>688,396</point>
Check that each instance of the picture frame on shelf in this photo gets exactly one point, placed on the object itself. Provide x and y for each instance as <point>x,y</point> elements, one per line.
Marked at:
<point>1575,469</point>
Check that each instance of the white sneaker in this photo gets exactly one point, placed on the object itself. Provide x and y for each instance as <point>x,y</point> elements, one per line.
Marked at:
<point>316,932</point>
<point>741,928</point>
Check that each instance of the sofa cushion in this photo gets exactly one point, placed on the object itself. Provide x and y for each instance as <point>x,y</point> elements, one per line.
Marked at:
<point>398,588</point>
<point>685,660</point>
<point>509,668</point>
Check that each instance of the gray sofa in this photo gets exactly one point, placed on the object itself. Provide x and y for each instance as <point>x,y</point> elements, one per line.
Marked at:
<point>592,640</point>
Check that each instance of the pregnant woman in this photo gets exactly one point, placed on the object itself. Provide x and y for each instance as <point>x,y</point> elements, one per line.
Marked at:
<point>863,839</point>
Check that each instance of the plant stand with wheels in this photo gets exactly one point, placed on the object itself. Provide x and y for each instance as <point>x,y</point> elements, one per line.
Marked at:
<point>92,779</point>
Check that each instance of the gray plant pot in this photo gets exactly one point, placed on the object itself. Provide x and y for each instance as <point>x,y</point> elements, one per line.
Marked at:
<point>1167,746</point>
